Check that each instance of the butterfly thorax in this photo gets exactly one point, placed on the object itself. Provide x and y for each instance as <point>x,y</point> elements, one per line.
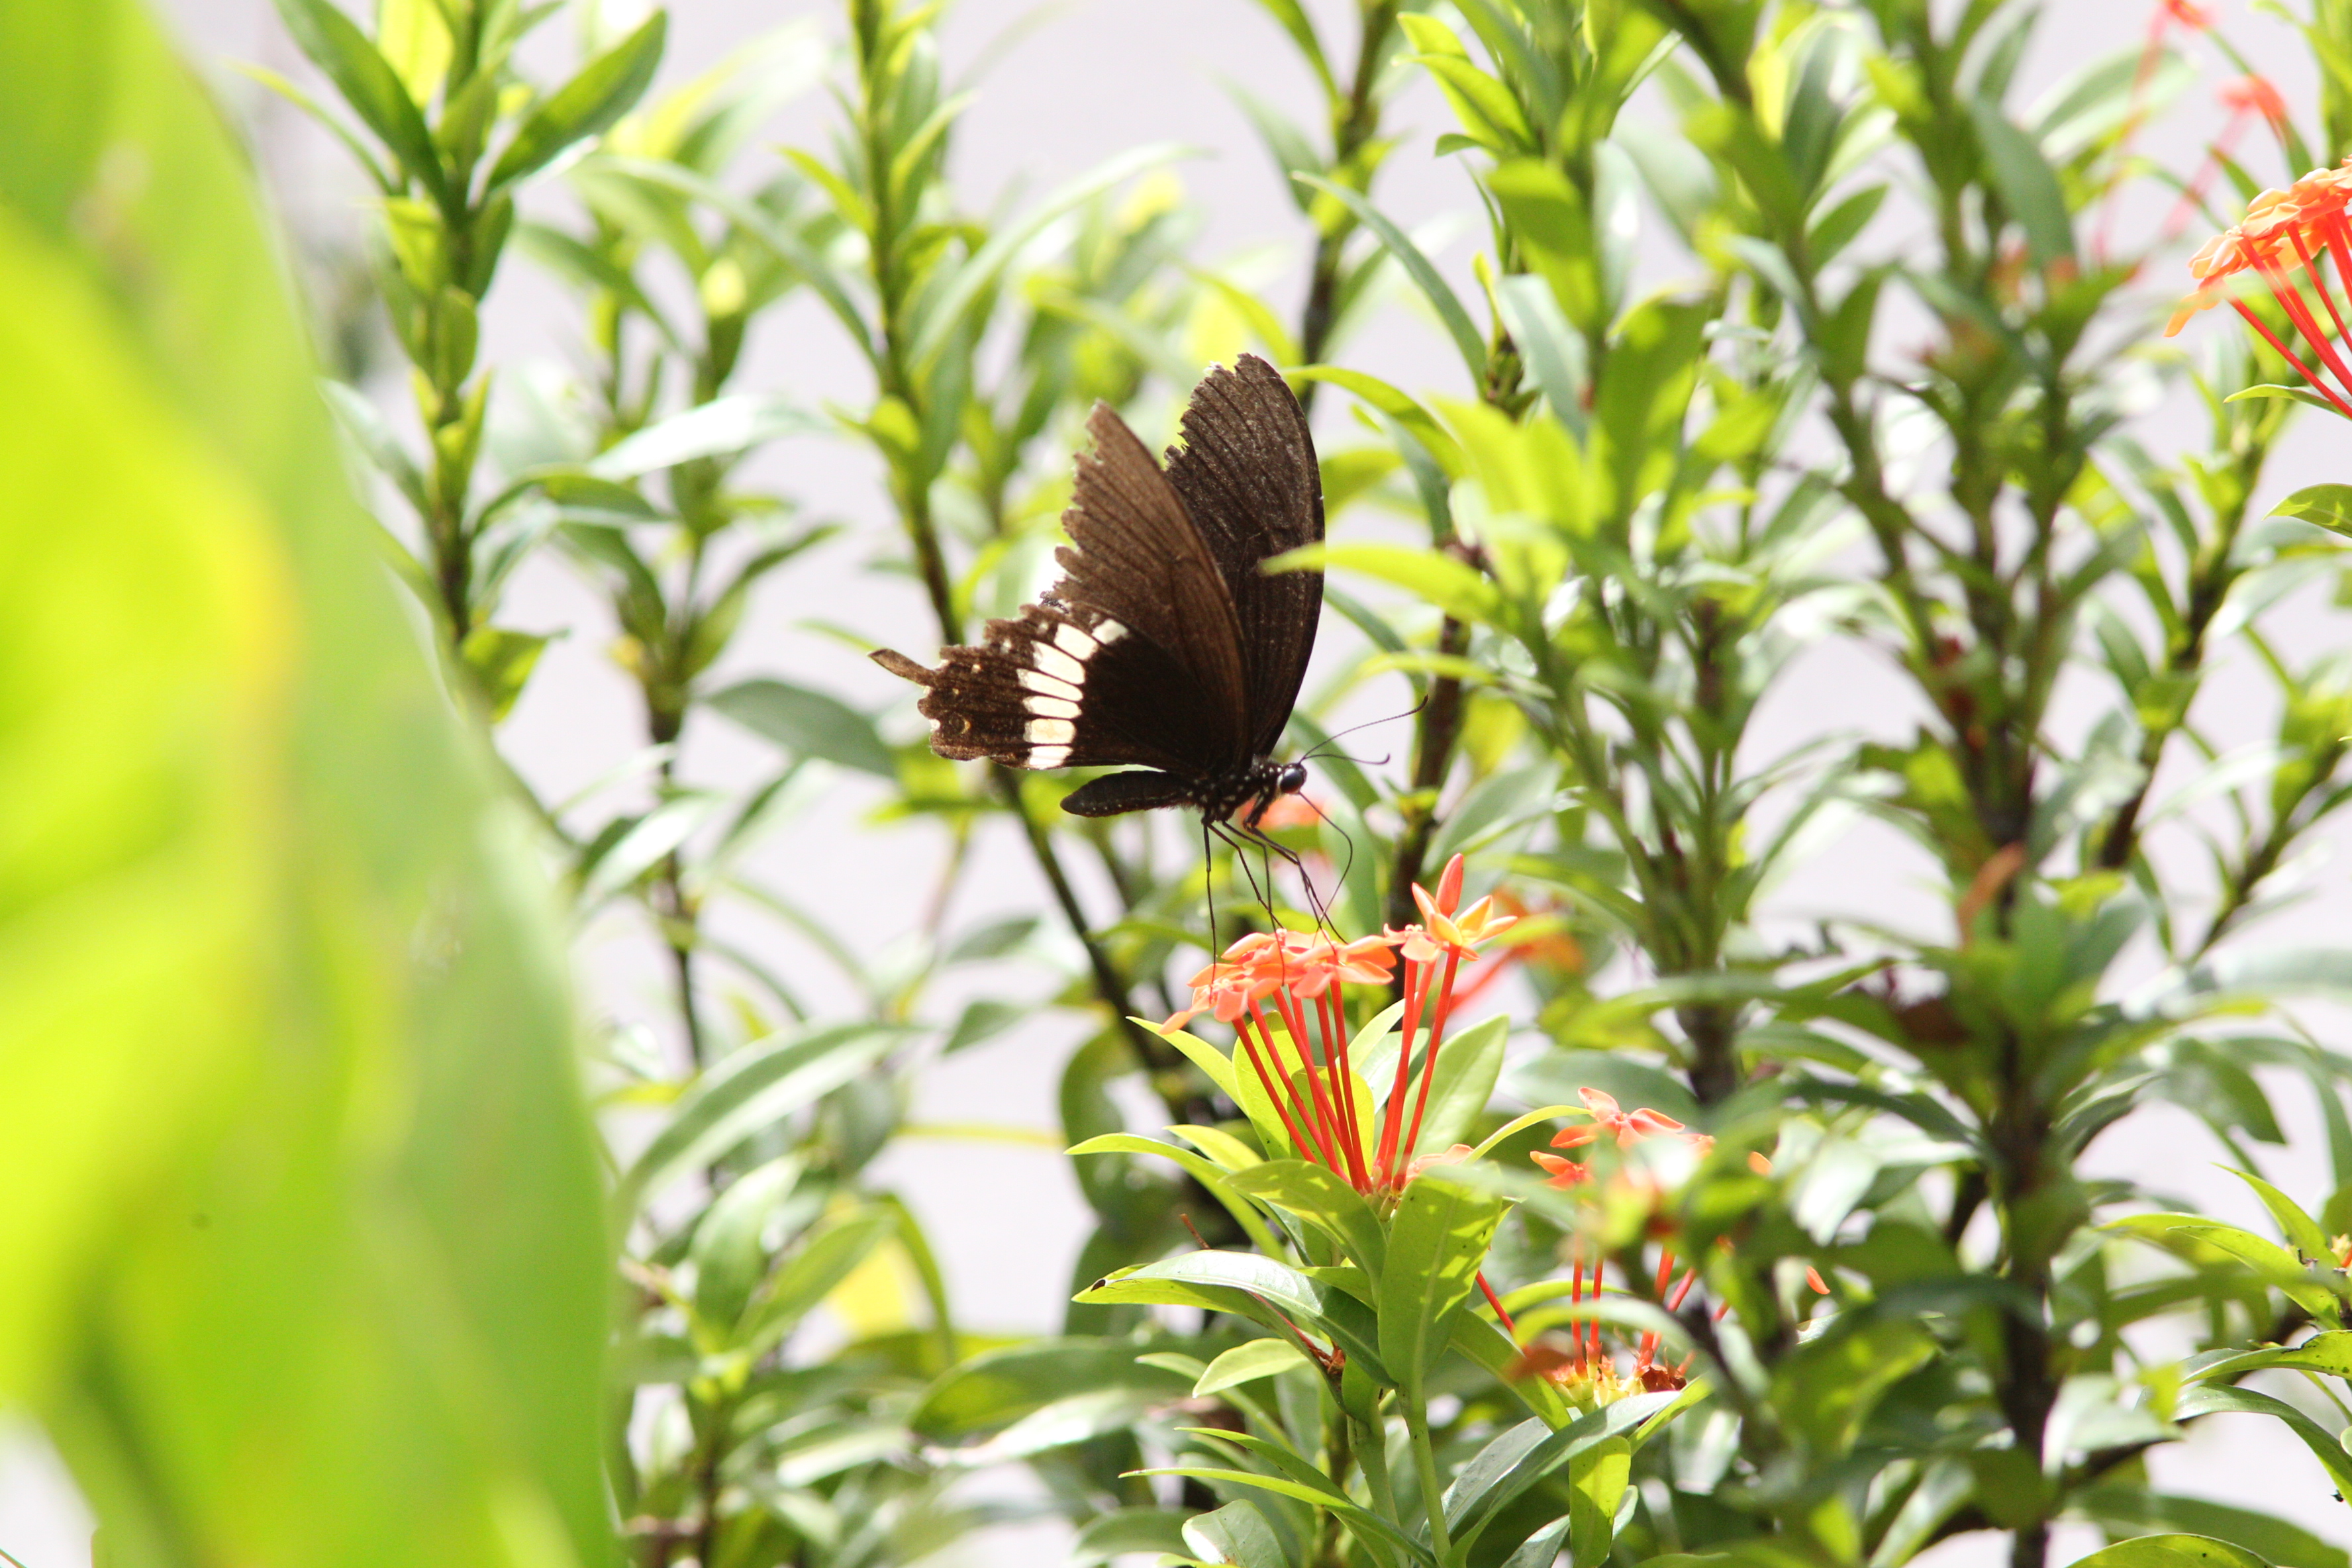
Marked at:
<point>1255,787</point>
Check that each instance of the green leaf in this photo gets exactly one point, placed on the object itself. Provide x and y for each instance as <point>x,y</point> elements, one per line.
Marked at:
<point>1229,1151</point>
<point>811,1273</point>
<point>1218,1183</point>
<point>1437,1240</point>
<point>996,1389</point>
<point>369,84</point>
<point>2028,185</point>
<point>1457,589</point>
<point>727,1258</point>
<point>940,318</point>
<point>1259,1288</point>
<point>807,724</point>
<point>1320,1198</point>
<point>2126,1509</point>
<point>1519,1458</point>
<point>1236,1533</point>
<point>1247,1364</point>
<point>287,1057</point>
<point>1828,1386</point>
<point>1213,1063</point>
<point>2301,1231</point>
<point>2172,1552</point>
<point>1440,294</point>
<point>1366,1525</point>
<point>720,428</point>
<point>2329,1353</point>
<point>1129,1531</point>
<point>1639,398</point>
<point>1417,420</point>
<point>1292,19</point>
<point>2327,506</point>
<point>2272,390</point>
<point>2206,1400</point>
<point>752,1089</point>
<point>586,106</point>
<point>501,661</point>
<point>1597,1484</point>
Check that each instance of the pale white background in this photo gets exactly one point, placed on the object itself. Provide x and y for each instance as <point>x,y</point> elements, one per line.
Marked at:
<point>1088,77</point>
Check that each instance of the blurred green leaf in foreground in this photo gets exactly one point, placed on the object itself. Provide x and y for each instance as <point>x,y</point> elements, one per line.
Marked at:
<point>307,1256</point>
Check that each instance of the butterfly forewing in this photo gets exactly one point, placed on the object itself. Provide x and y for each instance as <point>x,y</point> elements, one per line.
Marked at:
<point>1248,476</point>
<point>1163,645</point>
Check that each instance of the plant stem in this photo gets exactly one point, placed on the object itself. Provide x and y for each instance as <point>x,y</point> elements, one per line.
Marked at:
<point>1355,120</point>
<point>1440,728</point>
<point>1372,1452</point>
<point>1424,1463</point>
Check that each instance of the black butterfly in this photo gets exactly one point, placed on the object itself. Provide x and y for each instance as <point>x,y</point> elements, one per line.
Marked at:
<point>1163,645</point>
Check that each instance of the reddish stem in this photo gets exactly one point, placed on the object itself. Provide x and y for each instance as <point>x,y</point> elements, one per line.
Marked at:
<point>2290,299</point>
<point>1496,1301</point>
<point>1241,1030</point>
<point>1436,1038</point>
<point>2327,297</point>
<point>1334,1019</point>
<point>2288,354</point>
<point>1416,991</point>
<point>1294,1023</point>
<point>1298,1101</point>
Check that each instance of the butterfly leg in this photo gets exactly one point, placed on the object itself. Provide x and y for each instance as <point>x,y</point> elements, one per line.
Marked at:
<point>1274,850</point>
<point>1228,835</point>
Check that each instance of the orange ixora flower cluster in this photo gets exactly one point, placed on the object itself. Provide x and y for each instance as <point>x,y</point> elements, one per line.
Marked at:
<point>1585,1365</point>
<point>1304,978</point>
<point>1582,1366</point>
<point>2281,241</point>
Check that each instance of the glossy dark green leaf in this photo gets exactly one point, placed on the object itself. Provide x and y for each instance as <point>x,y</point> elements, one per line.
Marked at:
<point>1828,1386</point>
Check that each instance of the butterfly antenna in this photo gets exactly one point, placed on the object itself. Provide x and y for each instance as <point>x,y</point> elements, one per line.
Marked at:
<point>1317,751</point>
<point>1345,838</point>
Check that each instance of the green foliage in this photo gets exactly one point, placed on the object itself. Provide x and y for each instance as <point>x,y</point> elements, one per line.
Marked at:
<point>284,1005</point>
<point>1868,1299</point>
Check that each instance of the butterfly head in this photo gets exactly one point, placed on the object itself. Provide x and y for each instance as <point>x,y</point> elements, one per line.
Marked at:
<point>1291,780</point>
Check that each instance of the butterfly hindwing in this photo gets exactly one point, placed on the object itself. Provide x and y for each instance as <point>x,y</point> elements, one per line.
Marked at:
<point>1133,658</point>
<point>1248,473</point>
<point>1061,687</point>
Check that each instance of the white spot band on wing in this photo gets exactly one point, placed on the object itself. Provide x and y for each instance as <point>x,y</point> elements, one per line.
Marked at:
<point>1049,685</point>
<point>1050,732</point>
<point>1050,708</point>
<point>1048,756</point>
<point>1051,660</point>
